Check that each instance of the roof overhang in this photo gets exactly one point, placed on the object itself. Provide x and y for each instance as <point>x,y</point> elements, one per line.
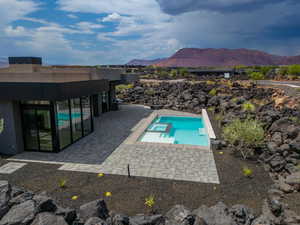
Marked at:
<point>51,91</point>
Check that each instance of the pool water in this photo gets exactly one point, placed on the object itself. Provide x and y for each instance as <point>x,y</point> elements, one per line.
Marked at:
<point>183,130</point>
<point>66,116</point>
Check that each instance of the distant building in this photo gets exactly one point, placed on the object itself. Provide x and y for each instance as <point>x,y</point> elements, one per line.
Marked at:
<point>47,108</point>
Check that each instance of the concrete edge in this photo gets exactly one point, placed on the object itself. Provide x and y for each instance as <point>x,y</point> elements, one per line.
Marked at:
<point>208,126</point>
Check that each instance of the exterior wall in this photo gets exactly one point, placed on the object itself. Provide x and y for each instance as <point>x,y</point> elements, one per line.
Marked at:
<point>11,139</point>
<point>130,78</point>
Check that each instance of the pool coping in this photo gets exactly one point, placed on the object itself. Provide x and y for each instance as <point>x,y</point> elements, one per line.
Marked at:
<point>138,131</point>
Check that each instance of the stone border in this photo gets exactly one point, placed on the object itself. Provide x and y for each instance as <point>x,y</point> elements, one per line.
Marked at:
<point>141,128</point>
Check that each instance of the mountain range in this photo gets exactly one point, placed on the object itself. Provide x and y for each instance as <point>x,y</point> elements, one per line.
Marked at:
<point>195,57</point>
<point>142,62</point>
<point>3,62</point>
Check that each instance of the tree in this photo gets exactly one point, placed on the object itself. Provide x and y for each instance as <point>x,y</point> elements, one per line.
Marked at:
<point>294,70</point>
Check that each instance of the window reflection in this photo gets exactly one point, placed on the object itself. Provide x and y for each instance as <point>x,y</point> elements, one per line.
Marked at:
<point>63,123</point>
<point>76,118</point>
<point>86,115</point>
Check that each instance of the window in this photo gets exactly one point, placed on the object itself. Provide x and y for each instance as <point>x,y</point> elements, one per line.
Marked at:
<point>45,131</point>
<point>86,115</point>
<point>30,130</point>
<point>35,102</point>
<point>76,118</point>
<point>63,123</point>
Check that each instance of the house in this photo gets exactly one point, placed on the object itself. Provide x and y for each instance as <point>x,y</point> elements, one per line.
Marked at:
<point>48,108</point>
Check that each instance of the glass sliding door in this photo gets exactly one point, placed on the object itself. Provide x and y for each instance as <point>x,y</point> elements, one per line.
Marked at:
<point>37,128</point>
<point>30,130</point>
<point>86,115</point>
<point>76,119</point>
<point>44,129</point>
<point>63,123</point>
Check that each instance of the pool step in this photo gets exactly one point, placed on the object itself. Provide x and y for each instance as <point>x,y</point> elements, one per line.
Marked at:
<point>201,131</point>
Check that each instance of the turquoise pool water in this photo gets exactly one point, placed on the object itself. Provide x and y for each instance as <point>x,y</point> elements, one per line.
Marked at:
<point>181,130</point>
<point>65,116</point>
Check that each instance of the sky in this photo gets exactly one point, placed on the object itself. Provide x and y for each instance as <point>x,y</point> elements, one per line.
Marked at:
<point>94,32</point>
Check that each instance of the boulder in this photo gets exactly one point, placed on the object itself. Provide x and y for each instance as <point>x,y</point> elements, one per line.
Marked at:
<point>277,138</point>
<point>94,209</point>
<point>293,179</point>
<point>21,214</point>
<point>292,131</point>
<point>242,215</point>
<point>95,221</point>
<point>46,218</point>
<point>44,204</point>
<point>5,194</point>
<point>146,220</point>
<point>283,186</point>
<point>118,219</point>
<point>215,215</point>
<point>69,214</point>
<point>178,215</point>
<point>23,197</point>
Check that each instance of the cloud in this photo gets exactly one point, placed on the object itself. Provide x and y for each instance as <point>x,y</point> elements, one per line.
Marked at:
<point>111,17</point>
<point>18,31</point>
<point>87,27</point>
<point>72,16</point>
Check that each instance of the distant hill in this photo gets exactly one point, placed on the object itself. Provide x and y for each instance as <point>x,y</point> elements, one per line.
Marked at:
<point>195,57</point>
<point>143,62</point>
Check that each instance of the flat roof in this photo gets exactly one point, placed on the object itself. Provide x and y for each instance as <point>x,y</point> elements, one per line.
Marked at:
<point>51,91</point>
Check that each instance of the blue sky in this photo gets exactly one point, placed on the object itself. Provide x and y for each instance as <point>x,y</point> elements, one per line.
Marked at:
<point>115,31</point>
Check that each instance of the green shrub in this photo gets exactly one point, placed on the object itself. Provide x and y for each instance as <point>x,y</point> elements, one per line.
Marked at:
<point>209,82</point>
<point>244,135</point>
<point>283,70</point>
<point>256,76</point>
<point>298,89</point>
<point>213,92</point>
<point>248,107</point>
<point>123,87</point>
<point>293,70</point>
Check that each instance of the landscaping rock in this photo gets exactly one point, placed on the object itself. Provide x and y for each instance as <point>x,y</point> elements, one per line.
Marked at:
<point>21,214</point>
<point>18,199</point>
<point>44,204</point>
<point>178,215</point>
<point>118,219</point>
<point>69,214</point>
<point>94,209</point>
<point>46,218</point>
<point>146,220</point>
<point>277,138</point>
<point>215,215</point>
<point>293,179</point>
<point>242,215</point>
<point>5,193</point>
<point>95,221</point>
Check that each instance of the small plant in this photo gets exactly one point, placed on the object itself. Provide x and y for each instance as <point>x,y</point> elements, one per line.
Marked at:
<point>209,82</point>
<point>123,87</point>
<point>62,183</point>
<point>211,109</point>
<point>150,201</point>
<point>100,174</point>
<point>108,194</point>
<point>294,119</point>
<point>213,92</point>
<point>248,107</point>
<point>298,90</point>
<point>247,172</point>
<point>244,136</point>
<point>74,198</point>
<point>150,91</point>
<point>219,118</point>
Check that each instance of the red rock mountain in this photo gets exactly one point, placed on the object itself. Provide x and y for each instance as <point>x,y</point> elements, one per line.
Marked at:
<point>194,57</point>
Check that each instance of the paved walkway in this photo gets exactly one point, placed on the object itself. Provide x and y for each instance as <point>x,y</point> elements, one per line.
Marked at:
<point>103,151</point>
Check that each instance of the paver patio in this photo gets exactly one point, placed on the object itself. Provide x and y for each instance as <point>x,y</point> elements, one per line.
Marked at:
<point>110,150</point>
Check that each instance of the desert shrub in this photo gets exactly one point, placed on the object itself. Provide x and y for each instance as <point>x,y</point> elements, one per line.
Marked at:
<point>292,77</point>
<point>298,90</point>
<point>283,70</point>
<point>294,119</point>
<point>183,72</point>
<point>293,70</point>
<point>256,76</point>
<point>244,135</point>
<point>174,73</point>
<point>210,82</point>
<point>211,109</point>
<point>150,91</point>
<point>122,87</point>
<point>213,92</point>
<point>248,107</point>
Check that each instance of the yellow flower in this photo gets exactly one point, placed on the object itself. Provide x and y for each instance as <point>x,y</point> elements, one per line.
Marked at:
<point>100,174</point>
<point>108,194</point>
<point>75,197</point>
<point>247,172</point>
<point>149,201</point>
<point>221,153</point>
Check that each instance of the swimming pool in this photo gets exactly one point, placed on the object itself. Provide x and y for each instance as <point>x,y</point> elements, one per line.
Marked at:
<point>176,130</point>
